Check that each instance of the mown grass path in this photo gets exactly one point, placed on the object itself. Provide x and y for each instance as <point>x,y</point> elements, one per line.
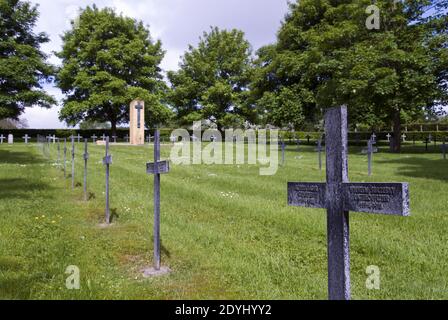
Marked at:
<point>227,232</point>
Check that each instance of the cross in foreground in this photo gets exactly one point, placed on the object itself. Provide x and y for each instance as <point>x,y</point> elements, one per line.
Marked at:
<point>156,168</point>
<point>2,138</point>
<point>339,197</point>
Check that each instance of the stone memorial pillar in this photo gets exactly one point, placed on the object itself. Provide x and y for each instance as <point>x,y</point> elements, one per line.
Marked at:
<point>137,122</point>
<point>10,139</point>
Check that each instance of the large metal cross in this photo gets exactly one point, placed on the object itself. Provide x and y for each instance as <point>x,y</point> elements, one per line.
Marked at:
<point>339,197</point>
<point>139,109</point>
<point>156,168</point>
<point>2,138</point>
<point>78,137</point>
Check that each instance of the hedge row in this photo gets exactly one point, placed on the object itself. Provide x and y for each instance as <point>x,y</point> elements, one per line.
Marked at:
<point>166,133</point>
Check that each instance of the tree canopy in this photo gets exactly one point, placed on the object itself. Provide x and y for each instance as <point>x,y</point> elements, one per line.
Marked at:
<point>327,56</point>
<point>213,80</point>
<point>108,61</point>
<point>23,66</point>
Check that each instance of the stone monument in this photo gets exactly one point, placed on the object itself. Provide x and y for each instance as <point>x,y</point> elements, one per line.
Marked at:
<point>137,122</point>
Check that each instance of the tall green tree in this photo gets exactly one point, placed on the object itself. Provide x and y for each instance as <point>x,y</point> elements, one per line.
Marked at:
<point>213,80</point>
<point>23,66</point>
<point>328,54</point>
<point>108,60</point>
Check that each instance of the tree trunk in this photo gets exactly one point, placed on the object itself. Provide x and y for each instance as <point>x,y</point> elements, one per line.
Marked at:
<point>397,131</point>
<point>113,128</point>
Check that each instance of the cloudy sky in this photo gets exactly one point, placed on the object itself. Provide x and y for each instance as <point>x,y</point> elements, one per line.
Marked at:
<point>177,23</point>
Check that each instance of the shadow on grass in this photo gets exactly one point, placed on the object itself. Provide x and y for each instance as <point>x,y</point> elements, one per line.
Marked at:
<point>417,167</point>
<point>20,188</point>
<point>10,156</point>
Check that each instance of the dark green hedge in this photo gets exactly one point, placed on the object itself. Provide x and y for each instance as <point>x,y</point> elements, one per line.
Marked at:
<point>288,136</point>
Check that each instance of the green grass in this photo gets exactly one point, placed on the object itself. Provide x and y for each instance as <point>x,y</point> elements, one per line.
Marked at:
<point>227,232</point>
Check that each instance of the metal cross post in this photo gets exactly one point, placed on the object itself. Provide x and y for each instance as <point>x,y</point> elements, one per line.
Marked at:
<point>283,146</point>
<point>319,150</point>
<point>388,137</point>
<point>59,152</point>
<point>444,148</point>
<point>107,161</point>
<point>65,158</point>
<point>156,168</point>
<point>404,136</point>
<point>2,138</point>
<point>94,137</point>
<point>369,156</point>
<point>139,109</point>
<point>79,137</point>
<point>86,158</point>
<point>73,162</point>
<point>103,137</point>
<point>339,197</point>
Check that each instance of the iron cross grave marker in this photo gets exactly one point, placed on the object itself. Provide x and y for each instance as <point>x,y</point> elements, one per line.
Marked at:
<point>107,161</point>
<point>339,197</point>
<point>444,148</point>
<point>156,168</point>
<point>86,158</point>
<point>319,150</point>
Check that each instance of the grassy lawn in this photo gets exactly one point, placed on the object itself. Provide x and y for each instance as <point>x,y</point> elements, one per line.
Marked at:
<point>227,232</point>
